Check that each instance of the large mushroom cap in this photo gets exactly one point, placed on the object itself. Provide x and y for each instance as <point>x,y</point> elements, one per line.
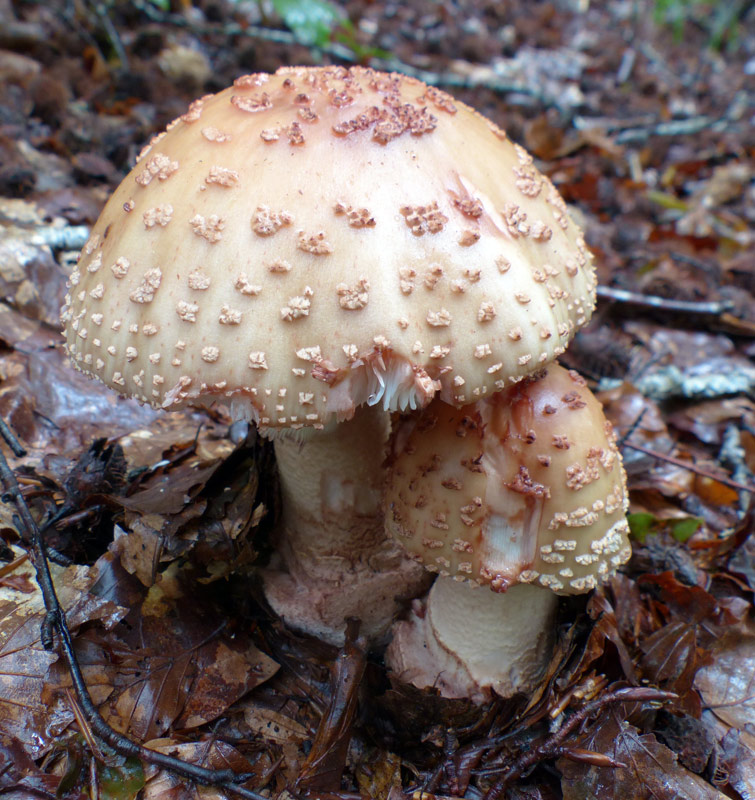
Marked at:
<point>526,486</point>
<point>304,242</point>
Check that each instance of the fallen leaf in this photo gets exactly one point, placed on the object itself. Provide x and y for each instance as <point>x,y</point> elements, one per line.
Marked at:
<point>727,684</point>
<point>29,712</point>
<point>650,771</point>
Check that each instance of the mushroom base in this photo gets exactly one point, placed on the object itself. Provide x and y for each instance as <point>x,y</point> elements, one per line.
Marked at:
<point>470,642</point>
<point>333,557</point>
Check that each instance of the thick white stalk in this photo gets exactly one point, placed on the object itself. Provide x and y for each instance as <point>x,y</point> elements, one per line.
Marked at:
<point>470,641</point>
<point>333,557</point>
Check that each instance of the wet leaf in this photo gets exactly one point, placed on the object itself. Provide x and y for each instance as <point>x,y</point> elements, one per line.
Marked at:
<point>694,741</point>
<point>122,782</point>
<point>226,670</point>
<point>692,603</point>
<point>212,753</point>
<point>27,711</point>
<point>21,779</point>
<point>324,765</point>
<point>650,771</point>
<point>380,776</point>
<point>727,684</point>
<point>670,656</point>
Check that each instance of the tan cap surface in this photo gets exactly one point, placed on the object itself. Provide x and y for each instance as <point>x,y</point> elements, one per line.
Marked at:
<point>305,242</point>
<point>526,486</point>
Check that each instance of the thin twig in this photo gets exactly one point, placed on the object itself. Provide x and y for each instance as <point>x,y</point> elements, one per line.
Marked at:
<point>55,621</point>
<point>554,745</point>
<point>339,51</point>
<point>678,462</point>
<point>714,309</point>
<point>11,440</point>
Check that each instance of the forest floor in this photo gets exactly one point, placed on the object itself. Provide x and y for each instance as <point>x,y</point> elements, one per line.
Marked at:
<point>647,128</point>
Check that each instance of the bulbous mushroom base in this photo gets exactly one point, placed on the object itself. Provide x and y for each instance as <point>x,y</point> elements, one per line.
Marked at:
<point>373,589</point>
<point>471,642</point>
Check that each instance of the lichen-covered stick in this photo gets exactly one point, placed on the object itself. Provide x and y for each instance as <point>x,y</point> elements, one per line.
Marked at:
<point>315,249</point>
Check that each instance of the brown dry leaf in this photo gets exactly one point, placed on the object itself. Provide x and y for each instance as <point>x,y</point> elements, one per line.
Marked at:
<point>15,329</point>
<point>140,550</point>
<point>379,776</point>
<point>742,561</point>
<point>213,754</point>
<point>605,629</point>
<point>737,758</point>
<point>713,492</point>
<point>693,740</point>
<point>708,420</point>
<point>226,671</point>
<point>284,734</point>
<point>632,620</point>
<point>29,275</point>
<point>325,762</point>
<point>28,711</point>
<point>650,770</point>
<point>670,657</point>
<point>727,685</point>
<point>273,726</point>
<point>178,433</point>
<point>691,603</point>
<point>168,492</point>
<point>170,661</point>
<point>21,779</point>
<point>170,653</point>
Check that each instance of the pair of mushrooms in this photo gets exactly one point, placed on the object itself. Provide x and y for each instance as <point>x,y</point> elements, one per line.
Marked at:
<point>318,248</point>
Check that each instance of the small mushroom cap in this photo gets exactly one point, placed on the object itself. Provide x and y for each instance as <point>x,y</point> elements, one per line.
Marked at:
<point>308,241</point>
<point>525,486</point>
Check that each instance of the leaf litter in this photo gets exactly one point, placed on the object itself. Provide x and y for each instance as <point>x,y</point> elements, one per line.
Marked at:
<point>167,516</point>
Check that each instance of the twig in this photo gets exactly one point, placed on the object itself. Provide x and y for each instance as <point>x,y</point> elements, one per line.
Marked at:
<point>232,29</point>
<point>678,462</point>
<point>11,440</point>
<point>343,53</point>
<point>554,747</point>
<point>55,621</point>
<point>714,309</point>
<point>640,130</point>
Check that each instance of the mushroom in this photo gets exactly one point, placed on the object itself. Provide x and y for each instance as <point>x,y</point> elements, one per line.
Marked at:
<point>523,493</point>
<point>314,249</point>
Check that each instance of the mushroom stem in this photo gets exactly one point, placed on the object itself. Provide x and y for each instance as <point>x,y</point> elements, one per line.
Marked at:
<point>468,641</point>
<point>334,559</point>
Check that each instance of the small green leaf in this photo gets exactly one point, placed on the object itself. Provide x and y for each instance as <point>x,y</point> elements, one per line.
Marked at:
<point>643,523</point>
<point>311,21</point>
<point>640,525</point>
<point>683,529</point>
<point>666,200</point>
<point>122,782</point>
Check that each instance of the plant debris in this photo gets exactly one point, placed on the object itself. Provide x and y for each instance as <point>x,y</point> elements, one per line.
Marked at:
<point>156,524</point>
